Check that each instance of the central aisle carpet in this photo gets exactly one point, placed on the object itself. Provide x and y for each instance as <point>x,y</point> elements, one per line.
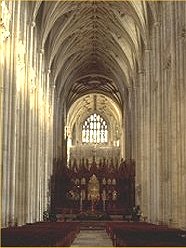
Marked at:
<point>96,238</point>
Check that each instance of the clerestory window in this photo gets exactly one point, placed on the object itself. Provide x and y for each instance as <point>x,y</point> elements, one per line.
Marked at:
<point>95,130</point>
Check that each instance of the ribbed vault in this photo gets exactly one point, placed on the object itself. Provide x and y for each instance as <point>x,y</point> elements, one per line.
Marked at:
<point>91,41</point>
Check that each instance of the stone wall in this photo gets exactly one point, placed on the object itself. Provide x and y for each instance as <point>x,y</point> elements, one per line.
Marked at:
<point>159,117</point>
<point>26,117</point>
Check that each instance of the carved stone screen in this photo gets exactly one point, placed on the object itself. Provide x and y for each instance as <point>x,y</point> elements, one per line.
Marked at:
<point>98,151</point>
<point>94,186</point>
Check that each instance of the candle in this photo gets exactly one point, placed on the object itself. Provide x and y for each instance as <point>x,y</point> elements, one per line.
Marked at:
<point>81,202</point>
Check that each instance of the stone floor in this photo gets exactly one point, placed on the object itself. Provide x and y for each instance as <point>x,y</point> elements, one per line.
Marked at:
<point>94,238</point>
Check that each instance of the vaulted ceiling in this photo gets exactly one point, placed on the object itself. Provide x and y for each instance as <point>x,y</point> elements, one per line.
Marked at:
<point>92,46</point>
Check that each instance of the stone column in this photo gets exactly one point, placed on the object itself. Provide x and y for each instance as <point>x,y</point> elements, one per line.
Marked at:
<point>47,140</point>
<point>181,112</point>
<point>127,120</point>
<point>152,128</point>
<point>174,148</point>
<point>137,140</point>
<point>140,160</point>
<point>31,91</point>
<point>157,108</point>
<point>40,120</point>
<point>133,122</point>
<point>5,87</point>
<point>146,187</point>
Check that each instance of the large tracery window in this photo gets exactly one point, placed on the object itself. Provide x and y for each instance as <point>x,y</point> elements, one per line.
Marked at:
<point>94,130</point>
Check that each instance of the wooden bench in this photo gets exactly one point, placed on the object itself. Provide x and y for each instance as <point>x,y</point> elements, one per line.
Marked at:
<point>145,234</point>
<point>40,234</point>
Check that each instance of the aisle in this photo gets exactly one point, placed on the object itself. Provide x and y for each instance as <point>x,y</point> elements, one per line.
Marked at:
<point>96,238</point>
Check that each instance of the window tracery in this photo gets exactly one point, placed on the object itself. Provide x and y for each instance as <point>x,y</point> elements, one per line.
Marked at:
<point>95,130</point>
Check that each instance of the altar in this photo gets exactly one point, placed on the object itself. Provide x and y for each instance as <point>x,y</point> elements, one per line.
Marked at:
<point>102,187</point>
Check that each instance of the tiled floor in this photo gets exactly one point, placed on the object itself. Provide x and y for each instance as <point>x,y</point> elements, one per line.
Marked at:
<point>96,238</point>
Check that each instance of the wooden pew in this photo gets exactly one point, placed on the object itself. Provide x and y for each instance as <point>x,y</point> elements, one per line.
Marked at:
<point>145,234</point>
<point>40,234</point>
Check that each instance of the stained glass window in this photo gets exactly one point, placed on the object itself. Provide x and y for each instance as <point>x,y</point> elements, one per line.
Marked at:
<point>94,130</point>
